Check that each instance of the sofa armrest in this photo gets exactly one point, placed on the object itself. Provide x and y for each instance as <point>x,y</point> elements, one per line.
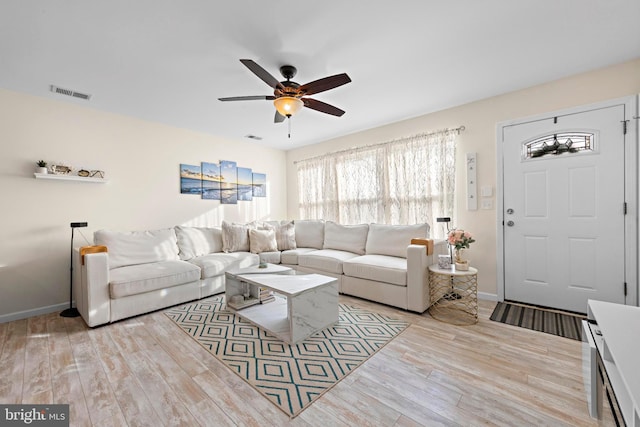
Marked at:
<point>418,263</point>
<point>91,288</point>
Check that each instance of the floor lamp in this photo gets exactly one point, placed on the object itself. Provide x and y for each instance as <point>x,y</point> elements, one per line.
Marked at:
<point>72,311</point>
<point>452,294</point>
<point>447,220</point>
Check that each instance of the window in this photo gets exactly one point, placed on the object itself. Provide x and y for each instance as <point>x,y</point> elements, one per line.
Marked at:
<point>407,181</point>
<point>559,143</point>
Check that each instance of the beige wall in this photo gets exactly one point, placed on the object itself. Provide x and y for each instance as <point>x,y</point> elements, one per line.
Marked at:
<point>480,119</point>
<point>141,160</point>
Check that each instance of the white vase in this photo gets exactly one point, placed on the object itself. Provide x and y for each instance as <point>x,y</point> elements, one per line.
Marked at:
<point>462,266</point>
<point>41,169</point>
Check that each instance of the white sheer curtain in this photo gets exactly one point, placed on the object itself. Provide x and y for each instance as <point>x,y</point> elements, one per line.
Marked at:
<point>406,181</point>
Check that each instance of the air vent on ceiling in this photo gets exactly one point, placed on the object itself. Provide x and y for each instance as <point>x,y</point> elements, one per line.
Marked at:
<point>258,138</point>
<point>69,92</point>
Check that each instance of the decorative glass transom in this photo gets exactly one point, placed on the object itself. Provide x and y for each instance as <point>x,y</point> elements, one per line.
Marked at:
<point>559,143</point>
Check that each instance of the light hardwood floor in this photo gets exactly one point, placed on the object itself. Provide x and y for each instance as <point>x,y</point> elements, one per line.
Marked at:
<point>146,371</point>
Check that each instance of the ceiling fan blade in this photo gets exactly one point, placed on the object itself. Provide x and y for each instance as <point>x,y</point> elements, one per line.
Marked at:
<point>262,73</point>
<point>326,83</point>
<point>249,98</point>
<point>323,107</point>
<point>279,118</point>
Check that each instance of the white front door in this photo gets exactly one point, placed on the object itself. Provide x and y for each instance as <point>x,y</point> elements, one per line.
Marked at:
<point>564,234</point>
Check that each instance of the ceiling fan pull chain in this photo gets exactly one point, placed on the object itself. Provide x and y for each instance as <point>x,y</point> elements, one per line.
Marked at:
<point>289,123</point>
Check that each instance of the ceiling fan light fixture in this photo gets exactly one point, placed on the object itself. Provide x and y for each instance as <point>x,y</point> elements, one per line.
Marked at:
<point>288,105</point>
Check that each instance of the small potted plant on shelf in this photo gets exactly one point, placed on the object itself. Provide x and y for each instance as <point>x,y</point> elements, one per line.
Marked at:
<point>42,166</point>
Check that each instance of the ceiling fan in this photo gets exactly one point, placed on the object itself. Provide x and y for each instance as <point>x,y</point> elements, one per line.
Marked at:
<point>288,96</point>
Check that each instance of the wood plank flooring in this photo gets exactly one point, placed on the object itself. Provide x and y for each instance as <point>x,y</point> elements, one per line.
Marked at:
<point>145,371</point>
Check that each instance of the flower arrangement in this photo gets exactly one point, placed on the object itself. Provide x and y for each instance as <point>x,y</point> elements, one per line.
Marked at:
<point>460,240</point>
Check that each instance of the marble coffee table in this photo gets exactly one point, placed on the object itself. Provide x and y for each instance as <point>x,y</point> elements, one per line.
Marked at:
<point>304,303</point>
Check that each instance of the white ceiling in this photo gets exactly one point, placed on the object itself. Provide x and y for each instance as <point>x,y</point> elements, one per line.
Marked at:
<point>168,61</point>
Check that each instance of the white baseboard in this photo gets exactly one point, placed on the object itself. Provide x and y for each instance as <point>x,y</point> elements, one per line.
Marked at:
<point>487,296</point>
<point>33,312</point>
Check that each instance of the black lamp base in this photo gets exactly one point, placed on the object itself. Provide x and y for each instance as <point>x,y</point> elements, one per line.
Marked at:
<point>70,312</point>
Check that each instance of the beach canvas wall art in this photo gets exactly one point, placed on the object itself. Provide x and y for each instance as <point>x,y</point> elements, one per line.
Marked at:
<point>245,184</point>
<point>190,179</point>
<point>211,181</point>
<point>229,183</point>
<point>259,185</point>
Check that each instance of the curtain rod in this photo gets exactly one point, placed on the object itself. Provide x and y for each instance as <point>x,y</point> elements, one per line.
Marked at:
<point>459,129</point>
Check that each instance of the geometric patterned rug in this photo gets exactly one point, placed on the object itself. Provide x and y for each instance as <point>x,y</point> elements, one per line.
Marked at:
<point>567,325</point>
<point>290,376</point>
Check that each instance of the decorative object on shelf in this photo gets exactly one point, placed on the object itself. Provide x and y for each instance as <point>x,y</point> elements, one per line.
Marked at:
<point>444,262</point>
<point>96,174</point>
<point>72,311</point>
<point>462,265</point>
<point>83,172</point>
<point>460,239</point>
<point>60,169</point>
<point>42,166</point>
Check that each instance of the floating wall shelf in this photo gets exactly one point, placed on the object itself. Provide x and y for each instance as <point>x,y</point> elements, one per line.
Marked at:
<point>70,178</point>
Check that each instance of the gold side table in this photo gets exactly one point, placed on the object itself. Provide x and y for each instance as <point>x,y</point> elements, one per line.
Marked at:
<point>453,295</point>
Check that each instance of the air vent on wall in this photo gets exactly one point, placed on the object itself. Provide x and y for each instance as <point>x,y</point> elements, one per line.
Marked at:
<point>69,92</point>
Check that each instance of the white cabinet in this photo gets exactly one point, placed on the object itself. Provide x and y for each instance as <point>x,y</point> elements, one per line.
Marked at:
<point>617,340</point>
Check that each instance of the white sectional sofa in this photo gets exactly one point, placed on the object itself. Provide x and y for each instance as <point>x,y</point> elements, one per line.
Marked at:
<point>144,271</point>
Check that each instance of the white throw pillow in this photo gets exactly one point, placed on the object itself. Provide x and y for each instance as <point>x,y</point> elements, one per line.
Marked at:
<point>235,237</point>
<point>393,239</point>
<point>350,238</point>
<point>262,241</point>
<point>196,241</point>
<point>309,233</point>
<point>285,234</point>
<point>138,247</point>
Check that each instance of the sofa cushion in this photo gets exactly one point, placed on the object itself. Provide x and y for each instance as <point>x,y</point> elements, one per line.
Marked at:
<point>291,256</point>
<point>309,233</point>
<point>235,237</point>
<point>393,239</point>
<point>270,257</point>
<point>141,278</point>
<point>138,247</point>
<point>262,241</point>
<point>349,238</point>
<point>198,241</point>
<point>381,268</point>
<point>325,259</point>
<point>285,235</point>
<point>216,264</point>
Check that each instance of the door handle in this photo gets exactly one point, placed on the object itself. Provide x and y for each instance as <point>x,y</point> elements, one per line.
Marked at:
<point>510,223</point>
